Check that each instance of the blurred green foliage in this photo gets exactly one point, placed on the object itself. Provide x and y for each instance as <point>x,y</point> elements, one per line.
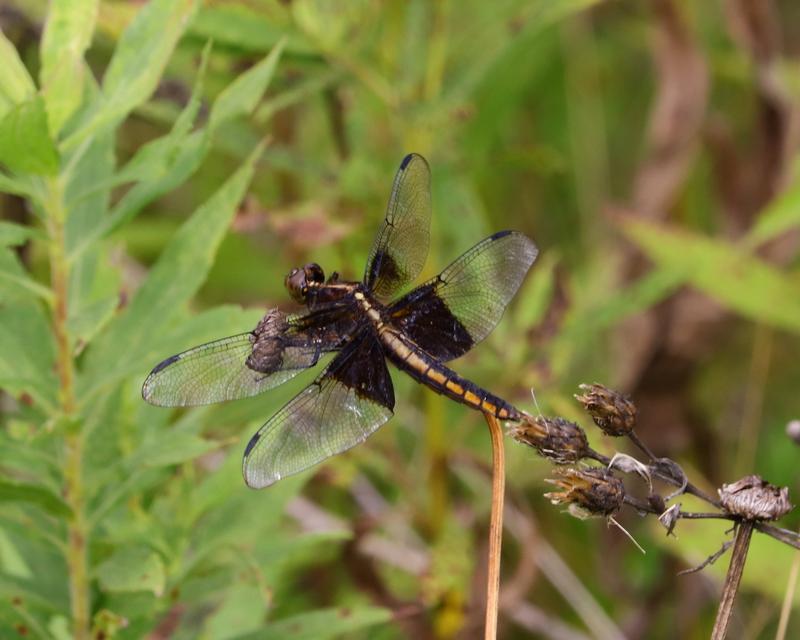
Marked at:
<point>165,163</point>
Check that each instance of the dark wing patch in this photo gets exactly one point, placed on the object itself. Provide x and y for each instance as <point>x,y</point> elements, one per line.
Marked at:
<point>341,408</point>
<point>452,312</point>
<point>401,245</point>
<point>249,363</point>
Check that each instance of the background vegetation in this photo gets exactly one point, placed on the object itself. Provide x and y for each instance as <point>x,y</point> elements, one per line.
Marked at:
<point>649,147</point>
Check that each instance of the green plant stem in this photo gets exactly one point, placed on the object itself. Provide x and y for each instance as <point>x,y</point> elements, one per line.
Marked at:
<point>73,461</point>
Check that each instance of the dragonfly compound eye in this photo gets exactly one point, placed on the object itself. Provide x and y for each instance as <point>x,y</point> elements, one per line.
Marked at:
<point>296,284</point>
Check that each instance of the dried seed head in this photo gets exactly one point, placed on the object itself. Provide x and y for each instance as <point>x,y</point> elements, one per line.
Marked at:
<point>593,491</point>
<point>612,411</point>
<point>755,499</point>
<point>556,439</point>
<point>669,518</point>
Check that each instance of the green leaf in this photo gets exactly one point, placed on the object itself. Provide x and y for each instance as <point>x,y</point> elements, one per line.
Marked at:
<point>781,215</point>
<point>25,143</point>
<point>132,569</point>
<point>243,94</point>
<point>67,35</point>
<point>321,624</point>
<point>159,166</point>
<point>242,610</point>
<point>138,63</point>
<point>88,319</point>
<point>93,290</point>
<point>242,27</point>
<point>723,271</point>
<point>13,234</point>
<point>172,447</point>
<point>34,494</point>
<point>179,272</point>
<point>17,186</point>
<point>27,353</point>
<point>16,84</point>
<point>153,159</point>
<point>15,283</point>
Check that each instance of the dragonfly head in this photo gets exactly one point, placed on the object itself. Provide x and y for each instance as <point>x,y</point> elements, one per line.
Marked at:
<point>300,280</point>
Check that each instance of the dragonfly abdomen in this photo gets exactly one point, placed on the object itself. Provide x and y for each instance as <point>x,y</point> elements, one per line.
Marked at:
<point>439,378</point>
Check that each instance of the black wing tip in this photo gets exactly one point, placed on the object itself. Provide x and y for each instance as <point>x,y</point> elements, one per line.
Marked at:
<point>164,364</point>
<point>501,234</point>
<point>147,387</point>
<point>411,156</point>
<point>252,443</point>
<point>510,232</point>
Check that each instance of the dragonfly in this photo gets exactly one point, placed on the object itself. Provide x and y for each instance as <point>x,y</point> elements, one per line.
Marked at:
<point>365,324</point>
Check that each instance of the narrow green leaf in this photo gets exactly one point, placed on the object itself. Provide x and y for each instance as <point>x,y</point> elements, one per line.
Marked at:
<point>88,319</point>
<point>139,60</point>
<point>246,28</point>
<point>153,159</point>
<point>322,624</point>
<point>16,186</point>
<point>93,289</point>
<point>13,234</point>
<point>16,84</point>
<point>67,34</point>
<point>27,353</point>
<point>159,166</point>
<point>133,569</point>
<point>15,281</point>
<point>243,94</point>
<point>723,271</point>
<point>34,494</point>
<point>614,306</point>
<point>779,216</point>
<point>177,275</point>
<point>87,192</point>
<point>536,294</point>
<point>172,447</point>
<point>25,143</point>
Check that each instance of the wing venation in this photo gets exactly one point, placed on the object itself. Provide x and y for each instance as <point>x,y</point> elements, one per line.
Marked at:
<point>455,310</point>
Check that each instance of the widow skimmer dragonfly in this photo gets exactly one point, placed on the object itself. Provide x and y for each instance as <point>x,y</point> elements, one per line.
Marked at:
<point>437,322</point>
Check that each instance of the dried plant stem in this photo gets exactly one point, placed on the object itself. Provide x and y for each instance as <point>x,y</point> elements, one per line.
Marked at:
<point>77,559</point>
<point>741,544</point>
<point>788,599</point>
<point>495,527</point>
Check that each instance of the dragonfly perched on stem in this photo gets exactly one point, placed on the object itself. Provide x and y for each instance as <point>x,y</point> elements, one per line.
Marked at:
<point>418,333</point>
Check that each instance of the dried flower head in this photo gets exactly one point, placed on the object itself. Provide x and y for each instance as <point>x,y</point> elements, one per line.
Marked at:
<point>593,491</point>
<point>755,499</point>
<point>556,439</point>
<point>612,411</point>
<point>670,517</point>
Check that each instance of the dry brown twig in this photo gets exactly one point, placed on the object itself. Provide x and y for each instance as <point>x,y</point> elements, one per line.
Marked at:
<point>598,491</point>
<point>495,527</point>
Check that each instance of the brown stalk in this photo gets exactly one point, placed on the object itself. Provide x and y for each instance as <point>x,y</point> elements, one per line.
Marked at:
<point>741,544</point>
<point>495,526</point>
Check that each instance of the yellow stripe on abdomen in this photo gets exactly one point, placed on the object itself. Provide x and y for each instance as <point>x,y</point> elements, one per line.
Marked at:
<point>454,387</point>
<point>472,399</point>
